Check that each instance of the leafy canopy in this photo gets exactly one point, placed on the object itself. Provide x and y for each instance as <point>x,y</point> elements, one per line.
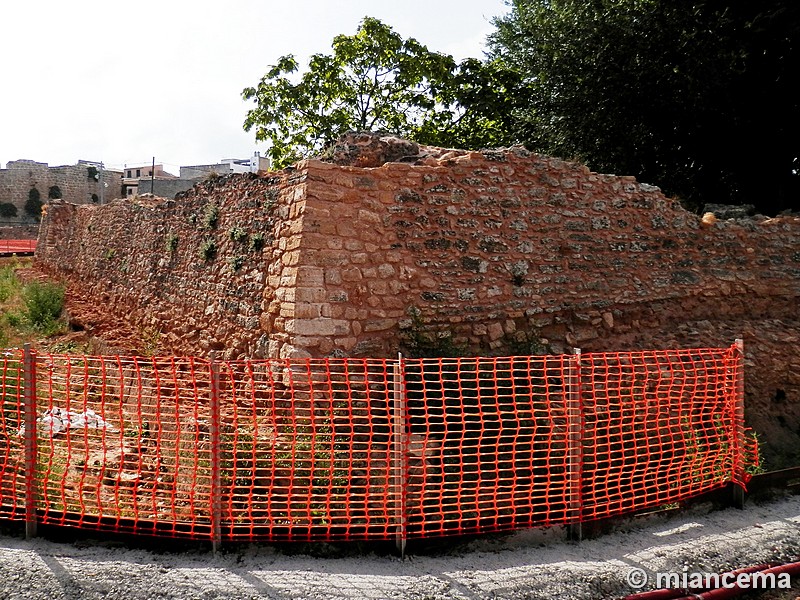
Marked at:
<point>377,81</point>
<point>693,95</point>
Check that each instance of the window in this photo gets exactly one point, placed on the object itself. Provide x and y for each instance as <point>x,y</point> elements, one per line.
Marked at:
<point>138,172</point>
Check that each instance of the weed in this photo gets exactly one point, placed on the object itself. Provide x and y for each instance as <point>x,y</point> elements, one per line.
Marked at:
<point>43,305</point>
<point>236,262</point>
<point>14,319</point>
<point>171,242</point>
<point>237,234</point>
<point>109,254</point>
<point>257,242</point>
<point>208,249</point>
<point>151,340</point>
<point>9,284</point>
<point>420,343</point>
<point>210,215</point>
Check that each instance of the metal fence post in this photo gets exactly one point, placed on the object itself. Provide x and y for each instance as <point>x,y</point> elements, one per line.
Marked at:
<point>738,425</point>
<point>29,407</point>
<point>574,448</point>
<point>398,416</point>
<point>214,431</point>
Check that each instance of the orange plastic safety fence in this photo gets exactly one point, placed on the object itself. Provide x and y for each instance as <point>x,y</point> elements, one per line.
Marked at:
<point>12,462</point>
<point>17,246</point>
<point>346,449</point>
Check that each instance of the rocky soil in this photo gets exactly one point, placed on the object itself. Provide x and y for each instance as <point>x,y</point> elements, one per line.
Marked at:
<point>525,565</point>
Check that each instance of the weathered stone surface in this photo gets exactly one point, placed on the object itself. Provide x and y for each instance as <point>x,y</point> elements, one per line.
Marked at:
<point>327,260</point>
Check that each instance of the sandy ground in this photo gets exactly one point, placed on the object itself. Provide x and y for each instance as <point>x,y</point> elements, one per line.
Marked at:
<point>529,564</point>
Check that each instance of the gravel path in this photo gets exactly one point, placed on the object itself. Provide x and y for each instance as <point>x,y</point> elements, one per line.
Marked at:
<point>530,564</point>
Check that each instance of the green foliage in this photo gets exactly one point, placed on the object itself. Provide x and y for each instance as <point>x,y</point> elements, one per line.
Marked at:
<point>43,304</point>
<point>418,341</point>
<point>210,215</point>
<point>377,81</point>
<point>237,234</point>
<point>150,341</point>
<point>257,242</point>
<point>171,242</point>
<point>208,249</point>
<point>7,209</point>
<point>33,206</point>
<point>54,192</point>
<point>92,173</point>
<point>236,262</point>
<point>696,97</point>
<point>109,254</point>
<point>9,284</point>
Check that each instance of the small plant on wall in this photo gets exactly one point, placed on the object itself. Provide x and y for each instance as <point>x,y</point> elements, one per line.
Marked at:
<point>210,216</point>
<point>171,242</point>
<point>208,249</point>
<point>418,341</point>
<point>54,193</point>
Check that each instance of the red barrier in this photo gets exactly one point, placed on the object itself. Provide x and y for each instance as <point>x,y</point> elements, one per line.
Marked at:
<point>347,449</point>
<point>17,246</point>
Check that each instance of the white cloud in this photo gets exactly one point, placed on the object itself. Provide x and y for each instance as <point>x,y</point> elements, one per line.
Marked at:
<point>123,82</point>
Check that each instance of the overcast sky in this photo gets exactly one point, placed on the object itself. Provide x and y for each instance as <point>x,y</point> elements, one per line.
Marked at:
<point>124,82</point>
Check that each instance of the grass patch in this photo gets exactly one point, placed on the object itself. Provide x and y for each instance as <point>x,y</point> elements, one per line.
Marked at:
<point>27,310</point>
<point>43,304</point>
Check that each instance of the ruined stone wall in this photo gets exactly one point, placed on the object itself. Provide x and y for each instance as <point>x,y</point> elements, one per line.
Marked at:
<point>73,181</point>
<point>192,269</point>
<point>475,253</point>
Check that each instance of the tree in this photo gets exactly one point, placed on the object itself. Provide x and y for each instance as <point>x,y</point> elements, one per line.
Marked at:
<point>33,205</point>
<point>694,96</point>
<point>377,81</point>
<point>7,209</point>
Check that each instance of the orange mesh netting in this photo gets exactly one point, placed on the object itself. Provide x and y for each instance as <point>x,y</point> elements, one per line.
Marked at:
<point>343,449</point>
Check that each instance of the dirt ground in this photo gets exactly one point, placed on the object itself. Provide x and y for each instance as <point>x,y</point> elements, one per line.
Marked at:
<point>524,565</point>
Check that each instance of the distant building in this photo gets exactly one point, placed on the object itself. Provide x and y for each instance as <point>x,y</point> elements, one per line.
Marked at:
<point>254,164</point>
<point>168,185</point>
<point>27,184</point>
<point>138,179</point>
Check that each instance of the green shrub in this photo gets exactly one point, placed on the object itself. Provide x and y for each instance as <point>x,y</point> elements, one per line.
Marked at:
<point>43,304</point>
<point>210,215</point>
<point>236,262</point>
<point>54,193</point>
<point>171,242</point>
<point>208,249</point>
<point>9,284</point>
<point>237,234</point>
<point>7,210</point>
<point>33,206</point>
<point>257,242</point>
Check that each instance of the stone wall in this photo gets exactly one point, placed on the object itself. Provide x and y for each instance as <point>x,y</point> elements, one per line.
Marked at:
<point>165,188</point>
<point>445,252</point>
<point>20,176</point>
<point>194,268</point>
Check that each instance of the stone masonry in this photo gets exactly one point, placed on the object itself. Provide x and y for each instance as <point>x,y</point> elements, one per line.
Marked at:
<point>491,252</point>
<point>73,181</point>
